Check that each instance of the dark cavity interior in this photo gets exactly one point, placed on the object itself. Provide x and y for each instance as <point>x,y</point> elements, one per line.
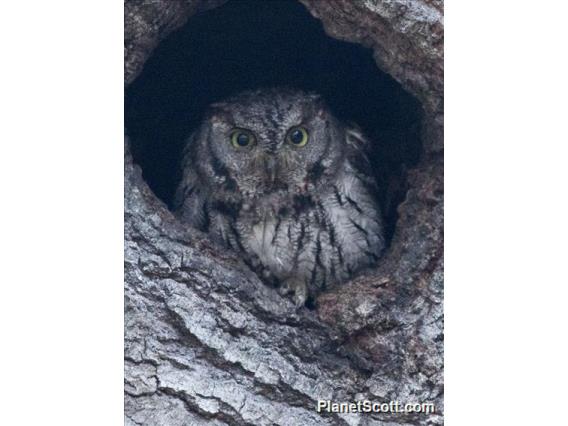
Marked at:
<point>246,44</point>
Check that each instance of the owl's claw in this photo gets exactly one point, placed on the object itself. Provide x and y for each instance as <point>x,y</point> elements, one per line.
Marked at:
<point>297,288</point>
<point>300,298</point>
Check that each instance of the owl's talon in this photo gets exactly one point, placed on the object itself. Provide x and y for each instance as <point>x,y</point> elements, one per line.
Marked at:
<point>297,288</point>
<point>300,300</point>
<point>283,290</point>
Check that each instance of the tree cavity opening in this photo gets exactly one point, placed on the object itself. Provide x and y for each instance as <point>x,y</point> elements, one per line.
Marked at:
<point>247,44</point>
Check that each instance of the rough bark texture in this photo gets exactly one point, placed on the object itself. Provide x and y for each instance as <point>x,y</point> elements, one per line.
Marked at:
<point>208,343</point>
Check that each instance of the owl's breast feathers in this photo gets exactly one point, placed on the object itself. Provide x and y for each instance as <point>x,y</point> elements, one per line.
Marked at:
<point>322,237</point>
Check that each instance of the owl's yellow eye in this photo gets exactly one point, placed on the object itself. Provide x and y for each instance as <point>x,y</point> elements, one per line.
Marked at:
<point>297,136</point>
<point>241,138</point>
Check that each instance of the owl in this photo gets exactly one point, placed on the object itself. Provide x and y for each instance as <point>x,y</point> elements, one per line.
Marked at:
<point>273,175</point>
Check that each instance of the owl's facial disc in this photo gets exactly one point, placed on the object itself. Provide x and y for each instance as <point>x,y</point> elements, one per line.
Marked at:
<point>276,142</point>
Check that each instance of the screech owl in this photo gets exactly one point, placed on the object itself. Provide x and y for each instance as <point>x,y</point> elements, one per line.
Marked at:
<point>273,175</point>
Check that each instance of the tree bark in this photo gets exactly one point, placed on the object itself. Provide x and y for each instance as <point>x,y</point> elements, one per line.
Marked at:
<point>207,343</point>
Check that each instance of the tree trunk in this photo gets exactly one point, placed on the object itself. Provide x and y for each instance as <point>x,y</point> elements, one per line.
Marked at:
<point>207,343</point>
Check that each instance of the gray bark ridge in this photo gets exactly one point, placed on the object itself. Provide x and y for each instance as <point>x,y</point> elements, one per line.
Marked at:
<point>207,343</point>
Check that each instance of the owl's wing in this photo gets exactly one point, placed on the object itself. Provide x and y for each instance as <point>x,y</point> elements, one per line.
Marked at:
<point>358,148</point>
<point>189,201</point>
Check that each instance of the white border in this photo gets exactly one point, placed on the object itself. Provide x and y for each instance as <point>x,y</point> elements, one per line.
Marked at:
<point>61,230</point>
<point>506,213</point>
<point>61,171</point>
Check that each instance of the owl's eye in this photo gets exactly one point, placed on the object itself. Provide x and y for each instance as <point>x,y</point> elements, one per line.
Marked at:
<point>297,136</point>
<point>241,138</point>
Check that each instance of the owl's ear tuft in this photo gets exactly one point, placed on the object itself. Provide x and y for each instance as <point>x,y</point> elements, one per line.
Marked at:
<point>218,105</point>
<point>218,112</point>
<point>321,109</point>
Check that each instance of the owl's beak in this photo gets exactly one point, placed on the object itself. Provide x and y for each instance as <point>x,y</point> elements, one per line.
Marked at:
<point>271,168</point>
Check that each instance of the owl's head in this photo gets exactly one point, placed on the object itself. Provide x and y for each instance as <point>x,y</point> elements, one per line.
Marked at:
<point>269,141</point>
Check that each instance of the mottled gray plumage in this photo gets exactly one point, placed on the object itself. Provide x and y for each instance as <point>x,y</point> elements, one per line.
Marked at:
<point>302,215</point>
